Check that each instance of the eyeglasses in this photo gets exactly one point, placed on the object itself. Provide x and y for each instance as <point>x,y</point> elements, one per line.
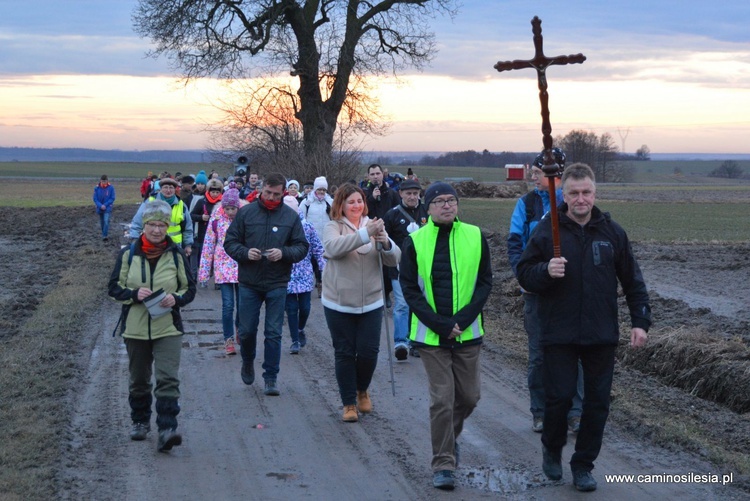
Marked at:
<point>450,202</point>
<point>158,226</point>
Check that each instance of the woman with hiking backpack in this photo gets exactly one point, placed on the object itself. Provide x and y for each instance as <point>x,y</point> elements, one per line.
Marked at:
<point>152,280</point>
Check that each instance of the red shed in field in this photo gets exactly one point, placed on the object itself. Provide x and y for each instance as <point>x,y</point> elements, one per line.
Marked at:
<point>515,172</point>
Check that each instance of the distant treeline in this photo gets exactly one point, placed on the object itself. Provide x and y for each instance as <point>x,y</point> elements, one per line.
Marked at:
<point>90,155</point>
<point>469,158</point>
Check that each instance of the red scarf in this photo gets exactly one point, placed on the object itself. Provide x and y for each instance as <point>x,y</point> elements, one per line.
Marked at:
<point>152,251</point>
<point>104,184</point>
<point>211,199</point>
<point>268,204</point>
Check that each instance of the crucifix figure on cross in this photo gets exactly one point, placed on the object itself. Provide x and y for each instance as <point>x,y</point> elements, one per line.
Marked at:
<point>540,63</point>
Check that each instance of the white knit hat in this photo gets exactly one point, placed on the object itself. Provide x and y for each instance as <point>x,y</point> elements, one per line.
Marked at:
<point>320,182</point>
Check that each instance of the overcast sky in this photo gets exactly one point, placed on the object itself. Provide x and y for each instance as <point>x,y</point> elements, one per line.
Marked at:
<point>674,75</point>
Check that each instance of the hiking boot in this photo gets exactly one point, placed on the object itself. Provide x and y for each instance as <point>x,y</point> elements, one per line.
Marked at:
<point>537,424</point>
<point>271,389</point>
<point>294,350</point>
<point>247,372</point>
<point>574,424</point>
<point>167,439</point>
<point>350,414</point>
<point>443,479</point>
<point>302,339</point>
<point>401,351</point>
<point>229,347</point>
<point>364,404</point>
<point>413,352</point>
<point>139,431</point>
<point>551,464</point>
<point>583,480</point>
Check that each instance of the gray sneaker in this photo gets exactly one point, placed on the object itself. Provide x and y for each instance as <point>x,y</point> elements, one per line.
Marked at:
<point>574,424</point>
<point>167,439</point>
<point>443,479</point>
<point>583,480</point>
<point>271,389</point>
<point>139,431</point>
<point>294,350</point>
<point>537,424</point>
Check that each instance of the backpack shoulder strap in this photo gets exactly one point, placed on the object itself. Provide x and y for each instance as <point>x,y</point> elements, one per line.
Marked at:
<point>406,214</point>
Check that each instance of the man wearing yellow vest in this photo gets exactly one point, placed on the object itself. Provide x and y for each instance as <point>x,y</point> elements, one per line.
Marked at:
<point>181,226</point>
<point>446,277</point>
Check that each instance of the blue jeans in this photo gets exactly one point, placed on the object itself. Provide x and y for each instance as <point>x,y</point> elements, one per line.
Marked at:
<point>230,307</point>
<point>250,302</point>
<point>356,343</point>
<point>536,359</point>
<point>104,223</point>
<point>297,313</point>
<point>400,315</point>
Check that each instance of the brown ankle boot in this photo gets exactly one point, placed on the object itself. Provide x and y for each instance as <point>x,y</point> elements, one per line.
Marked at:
<point>364,404</point>
<point>350,414</point>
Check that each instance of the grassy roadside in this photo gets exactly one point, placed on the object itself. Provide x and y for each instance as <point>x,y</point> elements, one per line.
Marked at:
<point>40,365</point>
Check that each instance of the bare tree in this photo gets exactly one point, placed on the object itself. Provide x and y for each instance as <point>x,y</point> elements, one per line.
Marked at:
<point>326,44</point>
<point>599,153</point>
<point>728,169</point>
<point>260,121</point>
<point>643,153</point>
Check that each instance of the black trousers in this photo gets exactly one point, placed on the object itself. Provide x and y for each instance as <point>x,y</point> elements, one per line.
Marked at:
<point>560,371</point>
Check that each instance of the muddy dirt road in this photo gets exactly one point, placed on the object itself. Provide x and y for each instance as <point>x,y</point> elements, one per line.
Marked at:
<point>240,444</point>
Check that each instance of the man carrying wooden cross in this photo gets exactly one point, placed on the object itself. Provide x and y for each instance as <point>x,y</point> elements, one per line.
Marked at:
<point>577,305</point>
<point>578,312</point>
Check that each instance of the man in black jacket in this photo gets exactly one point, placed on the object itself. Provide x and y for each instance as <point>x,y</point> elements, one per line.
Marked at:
<point>380,199</point>
<point>265,238</point>
<point>579,316</point>
<point>405,218</point>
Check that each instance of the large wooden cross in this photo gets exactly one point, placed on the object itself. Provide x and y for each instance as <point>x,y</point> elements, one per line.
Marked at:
<point>540,63</point>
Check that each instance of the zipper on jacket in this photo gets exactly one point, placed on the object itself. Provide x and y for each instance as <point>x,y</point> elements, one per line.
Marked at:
<point>452,251</point>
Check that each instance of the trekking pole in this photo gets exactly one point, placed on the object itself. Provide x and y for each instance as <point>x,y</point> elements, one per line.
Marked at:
<point>385,318</point>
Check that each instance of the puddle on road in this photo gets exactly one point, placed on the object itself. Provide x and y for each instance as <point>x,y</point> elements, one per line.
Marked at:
<point>499,480</point>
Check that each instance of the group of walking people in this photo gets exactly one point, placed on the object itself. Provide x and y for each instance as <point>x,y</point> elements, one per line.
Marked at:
<point>264,249</point>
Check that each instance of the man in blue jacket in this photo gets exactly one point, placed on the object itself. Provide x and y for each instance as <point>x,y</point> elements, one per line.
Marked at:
<point>529,210</point>
<point>104,199</point>
<point>579,317</point>
<point>266,238</point>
